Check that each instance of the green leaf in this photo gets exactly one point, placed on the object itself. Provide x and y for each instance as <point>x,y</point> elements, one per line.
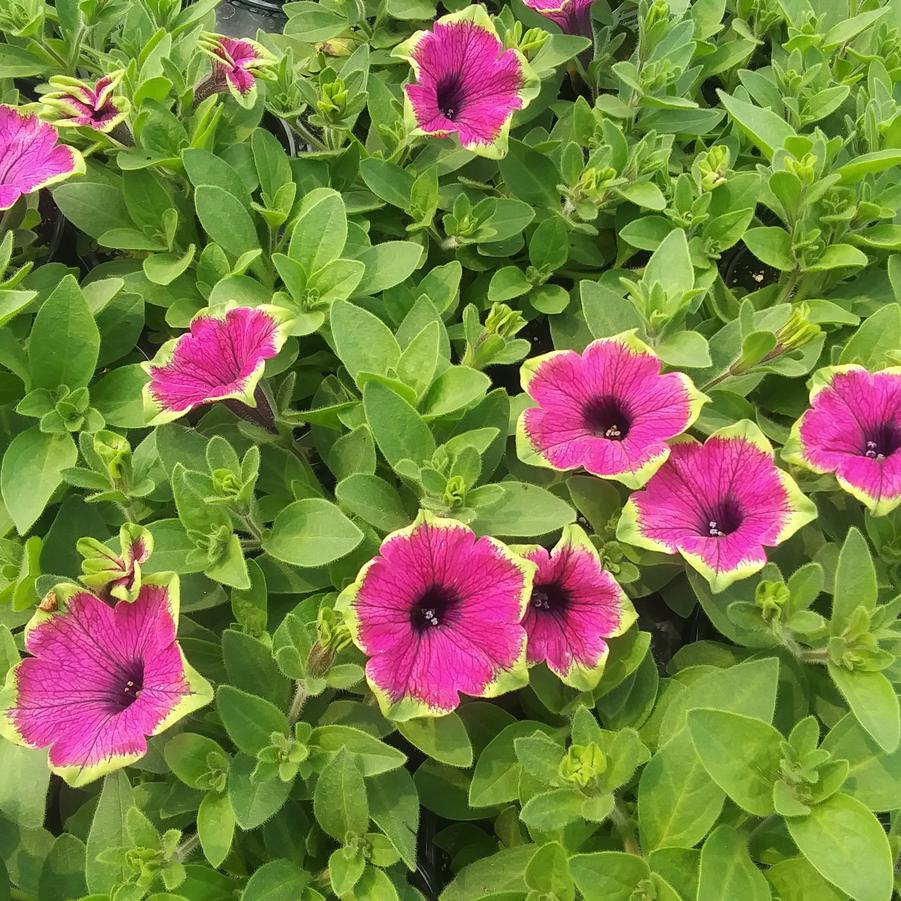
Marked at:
<point>765,129</point>
<point>677,800</point>
<point>607,312</point>
<point>772,246</point>
<point>388,264</point>
<point>855,581</point>
<point>65,341</point>
<point>457,387</point>
<point>548,873</point>
<point>847,845</point>
<point>873,700</point>
<point>552,809</point>
<point>742,755</point>
<point>320,233</point>
<point>877,336</point>
<point>363,342</point>
<point>442,738</point>
<point>311,532</point>
<point>253,802</point>
<point>372,755</point>
<point>524,510</point>
<point>188,756</point>
<point>868,164</point>
<point>251,667</point>
<point>108,831</point>
<point>387,180</point>
<point>727,870</point>
<point>399,431</point>
<point>277,880</point>
<point>608,875</point>
<point>226,220</point>
<point>687,349</point>
<point>248,719</point>
<point>216,827</point>
<point>373,500</point>
<point>670,265</point>
<point>530,176</point>
<point>874,777</point>
<point>394,808</point>
<point>24,777</point>
<point>31,472</point>
<point>339,800</point>
<point>63,872</point>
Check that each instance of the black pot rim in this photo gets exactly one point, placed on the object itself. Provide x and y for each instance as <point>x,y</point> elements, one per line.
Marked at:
<point>269,6</point>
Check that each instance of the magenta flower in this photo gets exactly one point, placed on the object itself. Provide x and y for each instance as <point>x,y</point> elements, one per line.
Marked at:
<point>100,680</point>
<point>608,410</point>
<point>77,104</point>
<point>222,357</point>
<point>575,605</point>
<point>466,82</point>
<point>853,429</point>
<point>30,157</point>
<point>438,612</point>
<point>573,16</point>
<point>237,64</point>
<point>718,504</point>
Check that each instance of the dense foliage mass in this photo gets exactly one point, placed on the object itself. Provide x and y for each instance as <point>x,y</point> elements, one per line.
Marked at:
<point>450,452</point>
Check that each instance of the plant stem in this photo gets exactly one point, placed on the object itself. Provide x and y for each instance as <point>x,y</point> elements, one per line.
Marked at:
<point>308,136</point>
<point>297,702</point>
<point>622,823</point>
<point>186,848</point>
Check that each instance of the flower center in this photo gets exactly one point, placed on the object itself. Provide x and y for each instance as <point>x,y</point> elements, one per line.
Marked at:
<point>723,518</point>
<point>132,682</point>
<point>607,417</point>
<point>433,607</point>
<point>449,96</point>
<point>550,597</point>
<point>882,441</point>
<point>100,113</point>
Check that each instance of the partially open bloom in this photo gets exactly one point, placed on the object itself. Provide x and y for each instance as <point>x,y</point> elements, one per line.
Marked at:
<point>853,429</point>
<point>575,605</point>
<point>237,64</point>
<point>608,410</point>
<point>222,357</point>
<point>116,575</point>
<point>75,103</point>
<point>30,156</point>
<point>439,612</point>
<point>718,504</point>
<point>466,82</point>
<point>573,16</point>
<point>100,680</point>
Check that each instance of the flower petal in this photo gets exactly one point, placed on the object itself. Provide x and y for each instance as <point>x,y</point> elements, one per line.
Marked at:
<point>472,592</point>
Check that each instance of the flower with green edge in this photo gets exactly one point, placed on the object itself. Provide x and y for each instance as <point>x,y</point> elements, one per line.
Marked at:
<point>718,504</point>
<point>100,679</point>
<point>438,612</point>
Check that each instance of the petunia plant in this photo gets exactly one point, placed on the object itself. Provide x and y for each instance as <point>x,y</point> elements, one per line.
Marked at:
<point>450,452</point>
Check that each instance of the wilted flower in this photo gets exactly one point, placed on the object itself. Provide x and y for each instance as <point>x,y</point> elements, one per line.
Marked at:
<point>439,612</point>
<point>853,429</point>
<point>237,64</point>
<point>718,504</point>
<point>76,103</point>
<point>575,605</point>
<point>100,680</point>
<point>608,410</point>
<point>222,357</point>
<point>573,16</point>
<point>466,82</point>
<point>30,157</point>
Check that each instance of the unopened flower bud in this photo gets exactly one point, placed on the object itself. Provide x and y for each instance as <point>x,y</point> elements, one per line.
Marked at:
<point>582,765</point>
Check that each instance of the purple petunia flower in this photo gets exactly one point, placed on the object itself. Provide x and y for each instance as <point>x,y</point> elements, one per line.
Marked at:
<point>853,429</point>
<point>100,680</point>
<point>718,504</point>
<point>77,104</point>
<point>237,64</point>
<point>31,157</point>
<point>466,82</point>
<point>575,605</point>
<point>222,357</point>
<point>439,612</point>
<point>573,16</point>
<point>608,410</point>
